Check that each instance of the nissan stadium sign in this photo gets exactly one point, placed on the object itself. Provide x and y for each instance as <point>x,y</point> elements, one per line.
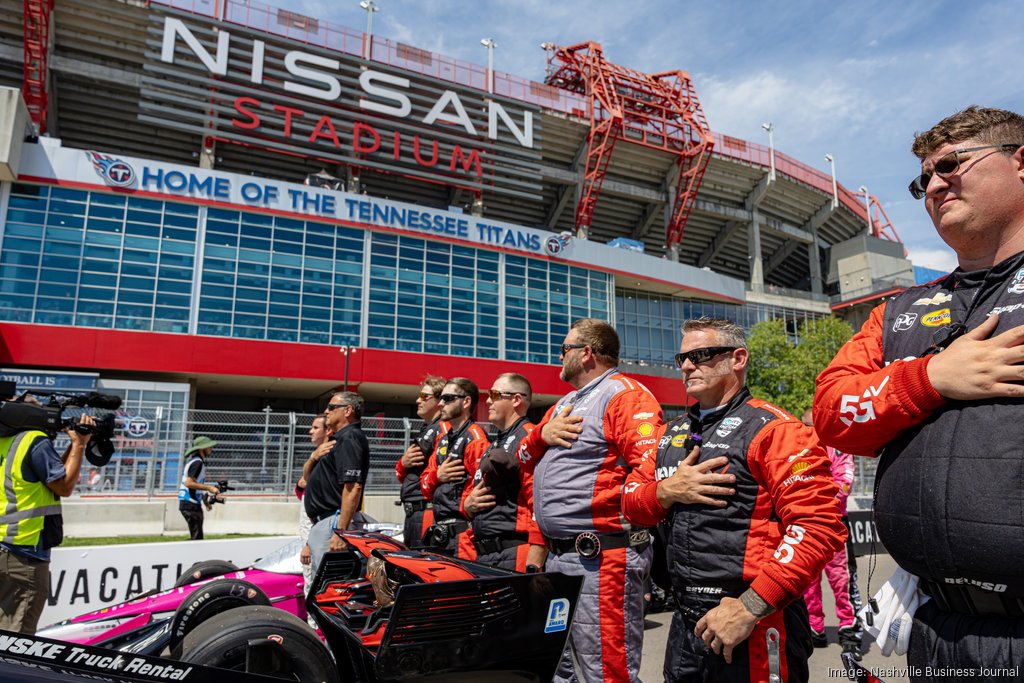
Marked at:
<point>227,82</point>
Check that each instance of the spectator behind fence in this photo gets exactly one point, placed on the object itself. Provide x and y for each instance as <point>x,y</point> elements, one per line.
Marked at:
<point>750,518</point>
<point>580,455</point>
<point>193,478</point>
<point>500,504</point>
<point>319,435</point>
<point>841,570</point>
<point>419,514</point>
<point>34,478</point>
<point>334,490</point>
<point>448,476</point>
<point>931,384</point>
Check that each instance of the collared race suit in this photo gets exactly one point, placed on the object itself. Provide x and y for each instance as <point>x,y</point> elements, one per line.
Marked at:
<point>949,503</point>
<point>418,517</point>
<point>467,443</point>
<point>775,533</point>
<point>579,489</point>
<point>501,534</point>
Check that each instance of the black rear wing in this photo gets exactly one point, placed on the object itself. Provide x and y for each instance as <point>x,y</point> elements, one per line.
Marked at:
<point>510,627</point>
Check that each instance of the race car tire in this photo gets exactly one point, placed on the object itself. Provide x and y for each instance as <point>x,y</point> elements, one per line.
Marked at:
<point>211,599</point>
<point>223,642</point>
<point>204,570</point>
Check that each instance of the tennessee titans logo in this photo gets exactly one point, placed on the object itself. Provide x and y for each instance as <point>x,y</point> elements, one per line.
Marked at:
<point>556,244</point>
<point>113,171</point>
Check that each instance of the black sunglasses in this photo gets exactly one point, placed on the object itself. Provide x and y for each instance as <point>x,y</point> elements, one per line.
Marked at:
<point>566,348</point>
<point>332,406</point>
<point>698,356</point>
<point>945,165</point>
<point>449,398</point>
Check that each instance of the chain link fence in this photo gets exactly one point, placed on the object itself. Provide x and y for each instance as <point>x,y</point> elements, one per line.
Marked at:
<point>258,453</point>
<point>261,452</point>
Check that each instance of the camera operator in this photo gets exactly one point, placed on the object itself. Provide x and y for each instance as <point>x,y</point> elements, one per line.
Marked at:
<point>190,497</point>
<point>38,478</point>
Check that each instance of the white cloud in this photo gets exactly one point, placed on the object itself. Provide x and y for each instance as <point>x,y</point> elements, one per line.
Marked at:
<point>929,257</point>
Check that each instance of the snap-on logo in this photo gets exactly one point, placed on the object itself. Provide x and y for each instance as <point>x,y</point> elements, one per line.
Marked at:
<point>1017,286</point>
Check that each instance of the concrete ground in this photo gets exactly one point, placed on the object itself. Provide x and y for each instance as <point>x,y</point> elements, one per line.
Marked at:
<point>825,662</point>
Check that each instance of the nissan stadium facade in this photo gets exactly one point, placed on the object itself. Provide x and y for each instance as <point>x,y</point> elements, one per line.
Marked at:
<point>253,207</point>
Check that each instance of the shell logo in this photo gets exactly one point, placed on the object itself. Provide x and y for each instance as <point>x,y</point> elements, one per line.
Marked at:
<point>678,440</point>
<point>798,467</point>
<point>645,429</point>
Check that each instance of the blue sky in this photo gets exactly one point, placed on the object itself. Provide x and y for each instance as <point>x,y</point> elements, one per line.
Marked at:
<point>856,80</point>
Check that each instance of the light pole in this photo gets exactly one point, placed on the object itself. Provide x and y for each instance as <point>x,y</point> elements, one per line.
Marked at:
<point>867,207</point>
<point>347,351</point>
<point>835,187</point>
<point>771,149</point>
<point>370,6</point>
<point>490,45</point>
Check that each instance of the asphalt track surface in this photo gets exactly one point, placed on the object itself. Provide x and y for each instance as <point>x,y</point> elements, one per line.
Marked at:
<point>825,662</point>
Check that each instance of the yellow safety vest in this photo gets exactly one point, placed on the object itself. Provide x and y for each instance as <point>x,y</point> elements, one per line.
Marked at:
<point>23,504</point>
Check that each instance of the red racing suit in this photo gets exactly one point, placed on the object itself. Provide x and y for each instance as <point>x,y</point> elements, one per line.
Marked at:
<point>837,571</point>
<point>418,516</point>
<point>774,535</point>
<point>501,534</point>
<point>578,490</point>
<point>467,443</point>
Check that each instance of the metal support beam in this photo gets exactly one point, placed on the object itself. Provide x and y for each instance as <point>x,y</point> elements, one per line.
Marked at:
<point>568,191</point>
<point>718,243</point>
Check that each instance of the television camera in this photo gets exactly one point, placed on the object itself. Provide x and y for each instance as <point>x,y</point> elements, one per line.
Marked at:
<point>46,414</point>
<point>210,498</point>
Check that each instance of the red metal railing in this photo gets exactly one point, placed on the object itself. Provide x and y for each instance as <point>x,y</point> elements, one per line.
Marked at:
<point>261,17</point>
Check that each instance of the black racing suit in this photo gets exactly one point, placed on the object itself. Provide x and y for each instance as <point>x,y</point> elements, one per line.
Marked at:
<point>418,515</point>
<point>949,491</point>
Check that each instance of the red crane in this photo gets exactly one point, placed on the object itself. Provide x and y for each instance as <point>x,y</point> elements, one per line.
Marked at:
<point>37,49</point>
<point>660,111</point>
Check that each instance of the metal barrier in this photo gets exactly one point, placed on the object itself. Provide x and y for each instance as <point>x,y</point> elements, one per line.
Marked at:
<point>258,453</point>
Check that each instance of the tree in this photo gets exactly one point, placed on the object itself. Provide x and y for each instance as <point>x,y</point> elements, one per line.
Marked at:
<point>784,372</point>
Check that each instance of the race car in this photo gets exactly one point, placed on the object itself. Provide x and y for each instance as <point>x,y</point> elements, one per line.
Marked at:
<point>160,619</point>
<point>385,613</point>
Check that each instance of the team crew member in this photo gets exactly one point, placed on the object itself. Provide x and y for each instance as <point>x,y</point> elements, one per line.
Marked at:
<point>580,455</point>
<point>334,493</point>
<point>34,480</point>
<point>320,436</point>
<point>751,517</point>
<point>193,484</point>
<point>500,503</point>
<point>837,571</point>
<point>448,476</point>
<point>932,384</point>
<point>419,515</point>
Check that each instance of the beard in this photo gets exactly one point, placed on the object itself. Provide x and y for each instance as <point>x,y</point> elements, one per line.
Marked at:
<point>571,369</point>
<point>451,412</point>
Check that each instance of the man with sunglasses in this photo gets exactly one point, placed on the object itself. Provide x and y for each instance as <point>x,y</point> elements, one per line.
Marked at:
<point>579,456</point>
<point>448,476</point>
<point>334,488</point>
<point>500,504</point>
<point>932,385</point>
<point>419,515</point>
<point>750,516</point>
